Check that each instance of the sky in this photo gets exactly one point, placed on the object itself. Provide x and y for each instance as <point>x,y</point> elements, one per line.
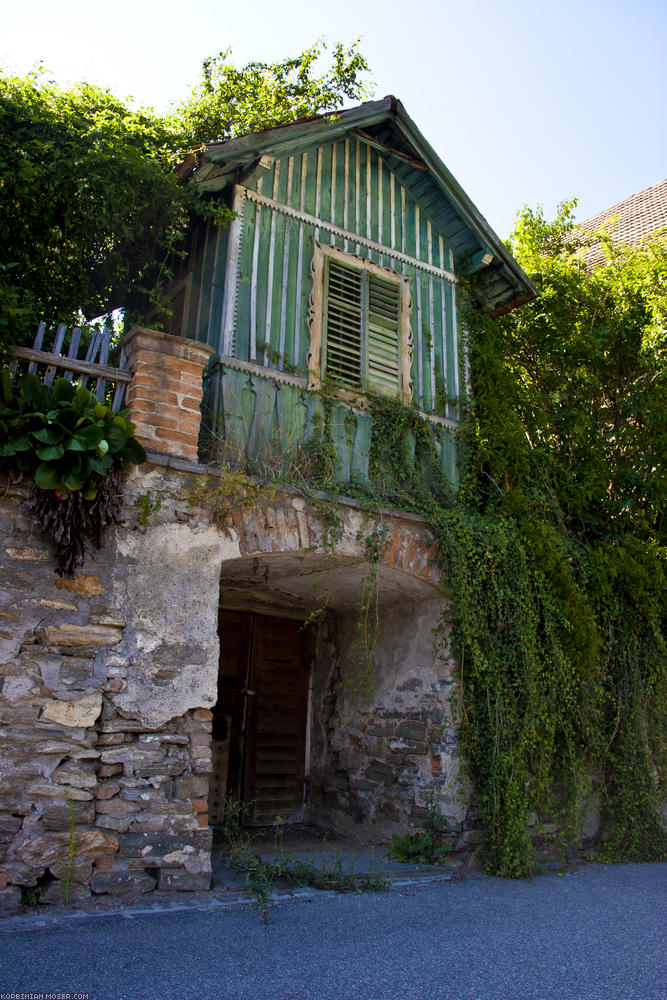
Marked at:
<point>526,103</point>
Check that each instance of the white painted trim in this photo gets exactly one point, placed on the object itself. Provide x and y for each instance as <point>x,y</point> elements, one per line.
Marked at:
<point>230,304</point>
<point>355,238</point>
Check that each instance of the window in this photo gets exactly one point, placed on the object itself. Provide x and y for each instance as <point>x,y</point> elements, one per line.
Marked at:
<point>359,326</point>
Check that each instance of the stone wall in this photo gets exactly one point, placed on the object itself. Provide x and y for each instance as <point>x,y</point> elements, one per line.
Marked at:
<point>104,718</point>
<point>378,765</point>
<point>108,680</point>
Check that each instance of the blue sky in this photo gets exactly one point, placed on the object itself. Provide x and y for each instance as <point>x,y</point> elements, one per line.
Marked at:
<point>526,103</point>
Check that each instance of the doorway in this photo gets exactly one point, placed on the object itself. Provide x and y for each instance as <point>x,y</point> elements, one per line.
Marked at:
<point>259,720</point>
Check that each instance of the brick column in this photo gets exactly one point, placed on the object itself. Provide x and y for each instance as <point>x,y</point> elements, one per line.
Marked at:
<point>165,393</point>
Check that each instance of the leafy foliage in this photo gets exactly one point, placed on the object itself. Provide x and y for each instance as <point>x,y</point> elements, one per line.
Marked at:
<point>89,203</point>
<point>74,449</point>
<point>229,102</point>
<point>92,211</point>
<point>556,554</point>
<point>61,436</point>
<point>555,547</point>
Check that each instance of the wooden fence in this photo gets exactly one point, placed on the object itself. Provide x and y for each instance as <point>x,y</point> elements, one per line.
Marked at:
<point>93,366</point>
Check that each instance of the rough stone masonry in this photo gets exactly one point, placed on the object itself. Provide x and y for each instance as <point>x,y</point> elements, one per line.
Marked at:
<point>108,679</point>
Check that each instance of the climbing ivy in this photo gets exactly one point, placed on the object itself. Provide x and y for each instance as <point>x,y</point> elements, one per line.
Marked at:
<point>555,552</point>
<point>554,548</point>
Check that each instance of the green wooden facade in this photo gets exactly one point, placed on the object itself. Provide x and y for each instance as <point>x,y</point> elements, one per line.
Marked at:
<point>360,183</point>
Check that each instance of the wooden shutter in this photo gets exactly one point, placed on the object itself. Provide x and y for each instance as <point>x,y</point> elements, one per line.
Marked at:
<point>344,324</point>
<point>383,335</point>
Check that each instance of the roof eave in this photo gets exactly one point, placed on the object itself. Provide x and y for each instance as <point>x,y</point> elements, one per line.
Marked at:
<point>526,291</point>
<point>232,155</point>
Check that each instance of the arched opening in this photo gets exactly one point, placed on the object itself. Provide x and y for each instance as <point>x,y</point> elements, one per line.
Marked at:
<point>290,738</point>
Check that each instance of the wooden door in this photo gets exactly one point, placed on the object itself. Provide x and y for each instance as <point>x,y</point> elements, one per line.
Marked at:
<point>275,741</point>
<point>261,713</point>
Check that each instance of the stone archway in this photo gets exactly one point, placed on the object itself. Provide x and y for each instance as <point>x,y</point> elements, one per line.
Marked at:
<point>372,765</point>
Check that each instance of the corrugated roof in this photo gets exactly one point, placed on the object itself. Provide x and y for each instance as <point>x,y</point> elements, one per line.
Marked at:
<point>630,221</point>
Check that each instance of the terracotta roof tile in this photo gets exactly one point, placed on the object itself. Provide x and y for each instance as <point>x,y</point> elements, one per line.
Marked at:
<point>630,221</point>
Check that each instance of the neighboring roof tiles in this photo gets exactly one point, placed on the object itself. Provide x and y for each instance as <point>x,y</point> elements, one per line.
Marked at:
<point>502,283</point>
<point>630,221</point>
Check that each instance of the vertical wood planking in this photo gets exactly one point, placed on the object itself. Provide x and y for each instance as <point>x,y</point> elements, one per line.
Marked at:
<point>299,311</point>
<point>392,209</point>
<point>285,271</point>
<point>346,192</point>
<point>215,291</point>
<point>456,389</point>
<point>270,267</point>
<point>204,290</point>
<point>318,190</point>
<point>357,189</point>
<point>244,302</point>
<point>257,229</point>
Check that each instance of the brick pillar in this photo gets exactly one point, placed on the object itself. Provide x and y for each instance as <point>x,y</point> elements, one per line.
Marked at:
<point>165,393</point>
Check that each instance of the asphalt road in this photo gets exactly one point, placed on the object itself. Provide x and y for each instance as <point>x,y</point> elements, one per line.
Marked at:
<point>595,933</point>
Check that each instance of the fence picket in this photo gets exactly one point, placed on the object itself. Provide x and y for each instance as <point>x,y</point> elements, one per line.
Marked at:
<point>71,366</point>
<point>37,346</point>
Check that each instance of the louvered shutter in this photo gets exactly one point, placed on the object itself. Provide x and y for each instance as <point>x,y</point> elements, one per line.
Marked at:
<point>383,336</point>
<point>344,324</point>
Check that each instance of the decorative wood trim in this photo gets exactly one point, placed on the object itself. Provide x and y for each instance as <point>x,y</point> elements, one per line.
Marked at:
<point>355,238</point>
<point>406,343</point>
<point>260,371</point>
<point>315,318</point>
<point>314,321</point>
<point>230,302</point>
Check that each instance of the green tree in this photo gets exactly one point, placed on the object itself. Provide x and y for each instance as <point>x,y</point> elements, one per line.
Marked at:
<point>231,101</point>
<point>91,208</point>
<point>89,202</point>
<point>585,369</point>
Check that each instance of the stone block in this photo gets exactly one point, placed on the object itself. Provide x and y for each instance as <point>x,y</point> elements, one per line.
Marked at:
<point>10,824</point>
<point>131,753</point>
<point>176,824</point>
<point>202,766</point>
<point>75,671</point>
<point>146,823</point>
<point>59,792</point>
<point>176,880</point>
<point>72,636</point>
<point>79,871</point>
<point>123,883</point>
<point>170,738</point>
<point>200,740</point>
<point>74,714</point>
<point>202,714</point>
<point>166,768</point>
<point>77,777</point>
<point>121,725</point>
<point>109,770</point>
<point>56,847</point>
<point>117,823</point>
<point>107,790</point>
<point>57,817</point>
<point>81,584</point>
<point>115,807</point>
<point>192,787</point>
<point>110,739</point>
<point>378,771</point>
<point>413,729</point>
<point>10,899</point>
<point>58,893</point>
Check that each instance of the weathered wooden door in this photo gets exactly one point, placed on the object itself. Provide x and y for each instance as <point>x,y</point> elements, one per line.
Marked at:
<point>263,693</point>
